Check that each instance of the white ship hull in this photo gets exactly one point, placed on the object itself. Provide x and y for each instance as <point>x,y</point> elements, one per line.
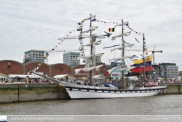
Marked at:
<point>85,93</point>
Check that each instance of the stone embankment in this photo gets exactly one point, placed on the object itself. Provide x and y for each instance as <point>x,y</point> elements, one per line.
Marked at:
<point>37,92</point>
<point>33,92</point>
<point>172,88</point>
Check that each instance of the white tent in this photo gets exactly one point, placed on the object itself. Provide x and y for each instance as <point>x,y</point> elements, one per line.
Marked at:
<point>3,77</point>
<point>132,77</point>
<point>64,77</point>
<point>23,76</point>
<point>98,78</point>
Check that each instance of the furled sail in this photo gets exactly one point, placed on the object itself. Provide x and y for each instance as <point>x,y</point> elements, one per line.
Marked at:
<point>118,68</point>
<point>89,56</point>
<point>121,69</point>
<point>88,69</point>
<point>120,58</point>
<point>90,29</point>
<point>124,34</point>
<point>96,43</point>
<point>111,70</point>
<point>119,48</point>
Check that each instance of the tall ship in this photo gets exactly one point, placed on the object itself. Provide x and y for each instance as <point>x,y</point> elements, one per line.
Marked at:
<point>91,91</point>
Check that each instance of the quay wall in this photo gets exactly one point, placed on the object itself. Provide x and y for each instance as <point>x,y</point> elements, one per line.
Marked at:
<point>39,92</point>
<point>172,88</point>
<point>33,92</point>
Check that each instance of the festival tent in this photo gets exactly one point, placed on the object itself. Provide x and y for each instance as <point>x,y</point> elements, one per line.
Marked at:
<point>23,76</point>
<point>98,77</point>
<point>132,78</point>
<point>3,77</point>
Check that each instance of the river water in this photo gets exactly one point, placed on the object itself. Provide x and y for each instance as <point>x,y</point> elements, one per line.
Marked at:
<point>155,105</point>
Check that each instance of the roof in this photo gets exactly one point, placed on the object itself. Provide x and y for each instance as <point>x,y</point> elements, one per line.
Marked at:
<point>23,76</point>
<point>3,75</point>
<point>36,50</point>
<point>75,52</point>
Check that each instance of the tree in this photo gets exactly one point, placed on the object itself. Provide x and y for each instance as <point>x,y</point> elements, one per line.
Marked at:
<point>79,78</point>
<point>165,78</point>
<point>110,78</point>
<point>126,78</point>
<point>66,77</point>
<point>117,78</point>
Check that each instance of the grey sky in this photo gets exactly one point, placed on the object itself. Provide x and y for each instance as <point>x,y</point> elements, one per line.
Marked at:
<point>27,25</point>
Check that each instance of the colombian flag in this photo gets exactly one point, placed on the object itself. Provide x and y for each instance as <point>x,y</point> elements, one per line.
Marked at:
<point>111,29</point>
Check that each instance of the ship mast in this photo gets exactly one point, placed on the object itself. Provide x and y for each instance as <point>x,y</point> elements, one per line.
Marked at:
<point>91,49</point>
<point>122,55</point>
<point>143,58</point>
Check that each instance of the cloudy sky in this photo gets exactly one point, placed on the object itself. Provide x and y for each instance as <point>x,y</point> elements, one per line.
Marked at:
<point>37,24</point>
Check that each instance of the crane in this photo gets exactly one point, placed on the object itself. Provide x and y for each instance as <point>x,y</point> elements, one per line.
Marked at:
<point>153,52</point>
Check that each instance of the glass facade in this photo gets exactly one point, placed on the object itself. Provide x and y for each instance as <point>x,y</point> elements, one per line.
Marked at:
<point>34,56</point>
<point>97,59</point>
<point>168,70</point>
<point>70,58</point>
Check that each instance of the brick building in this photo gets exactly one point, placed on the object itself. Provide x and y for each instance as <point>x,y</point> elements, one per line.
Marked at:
<point>13,67</point>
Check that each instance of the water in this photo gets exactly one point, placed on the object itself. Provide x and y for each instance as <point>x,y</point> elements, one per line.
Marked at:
<point>155,105</point>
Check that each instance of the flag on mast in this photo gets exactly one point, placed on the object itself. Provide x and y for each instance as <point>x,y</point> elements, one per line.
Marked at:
<point>111,29</point>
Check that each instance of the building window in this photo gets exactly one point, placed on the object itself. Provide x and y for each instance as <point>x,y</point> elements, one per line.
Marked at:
<point>9,64</point>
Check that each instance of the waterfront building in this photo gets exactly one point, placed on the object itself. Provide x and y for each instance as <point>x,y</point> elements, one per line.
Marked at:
<point>155,68</point>
<point>70,58</point>
<point>168,70</point>
<point>180,73</point>
<point>14,67</point>
<point>34,56</point>
<point>97,59</point>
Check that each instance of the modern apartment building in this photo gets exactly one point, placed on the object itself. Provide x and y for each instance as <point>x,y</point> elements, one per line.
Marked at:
<point>168,70</point>
<point>70,58</point>
<point>34,56</point>
<point>180,73</point>
<point>97,59</point>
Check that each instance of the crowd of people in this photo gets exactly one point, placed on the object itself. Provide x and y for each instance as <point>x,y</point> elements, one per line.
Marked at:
<point>39,81</point>
<point>29,81</point>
